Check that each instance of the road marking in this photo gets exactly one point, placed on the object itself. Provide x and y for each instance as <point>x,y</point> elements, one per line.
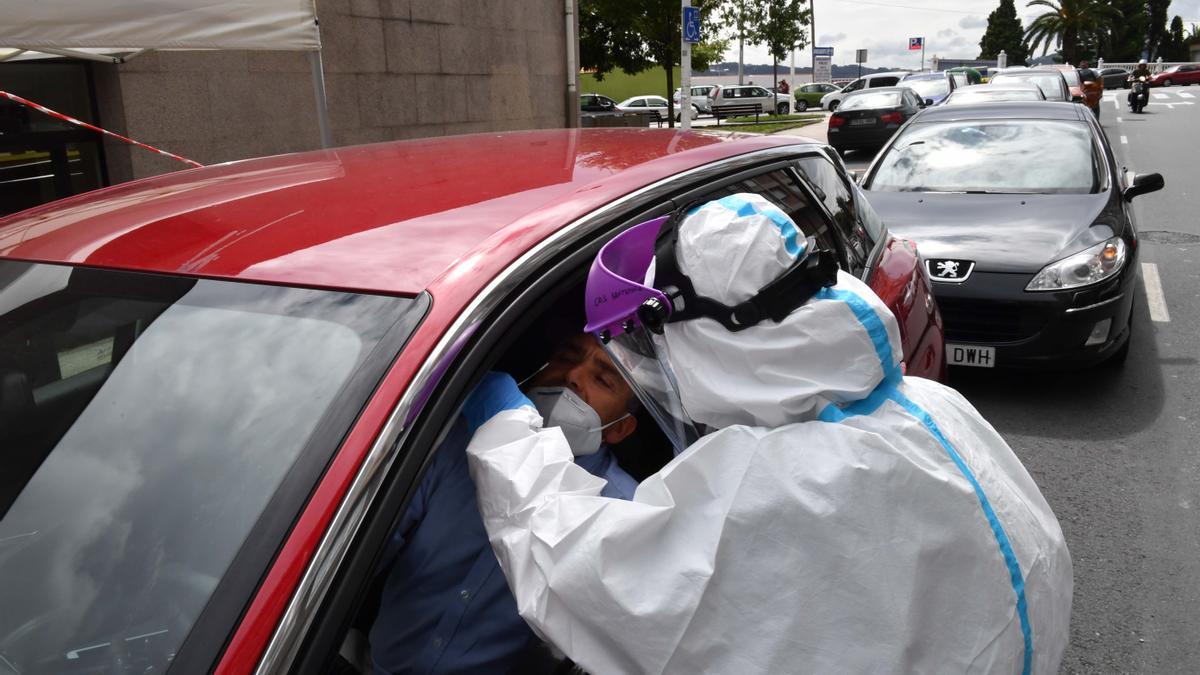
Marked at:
<point>1155,300</point>
<point>1124,141</point>
<point>1120,120</point>
<point>1184,94</point>
<point>1160,97</point>
<point>1116,103</point>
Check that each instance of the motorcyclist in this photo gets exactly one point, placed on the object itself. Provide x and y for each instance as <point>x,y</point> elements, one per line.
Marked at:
<point>824,514</point>
<point>1141,71</point>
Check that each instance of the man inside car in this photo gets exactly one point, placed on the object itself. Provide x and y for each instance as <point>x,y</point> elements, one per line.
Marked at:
<point>445,605</point>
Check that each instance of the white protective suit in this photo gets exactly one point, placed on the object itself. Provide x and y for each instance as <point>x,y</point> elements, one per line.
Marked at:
<point>843,519</point>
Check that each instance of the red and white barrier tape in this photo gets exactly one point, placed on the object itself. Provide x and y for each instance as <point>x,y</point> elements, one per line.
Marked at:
<point>85,125</point>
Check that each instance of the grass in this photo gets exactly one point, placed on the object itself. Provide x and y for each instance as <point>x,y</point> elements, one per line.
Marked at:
<point>767,128</point>
<point>771,119</point>
<point>619,85</point>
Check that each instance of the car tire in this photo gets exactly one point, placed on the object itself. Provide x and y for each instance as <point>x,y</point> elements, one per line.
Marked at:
<point>801,105</point>
<point>781,109</point>
<point>1166,83</point>
<point>833,106</point>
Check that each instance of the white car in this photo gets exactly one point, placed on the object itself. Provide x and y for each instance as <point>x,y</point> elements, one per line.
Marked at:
<point>741,94</point>
<point>833,99</point>
<point>699,97</point>
<point>650,104</point>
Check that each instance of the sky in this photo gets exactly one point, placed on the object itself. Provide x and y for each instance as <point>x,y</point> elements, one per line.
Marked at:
<point>951,28</point>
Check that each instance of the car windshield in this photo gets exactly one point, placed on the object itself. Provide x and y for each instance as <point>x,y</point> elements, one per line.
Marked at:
<point>1049,83</point>
<point>993,95</point>
<point>146,422</point>
<point>928,88</point>
<point>871,101</point>
<point>991,156</point>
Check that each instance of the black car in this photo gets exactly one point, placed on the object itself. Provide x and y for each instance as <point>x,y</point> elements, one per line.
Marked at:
<point>596,103</point>
<point>1114,78</point>
<point>1023,217</point>
<point>867,119</point>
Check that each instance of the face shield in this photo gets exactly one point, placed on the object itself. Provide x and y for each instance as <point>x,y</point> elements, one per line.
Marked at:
<point>635,288</point>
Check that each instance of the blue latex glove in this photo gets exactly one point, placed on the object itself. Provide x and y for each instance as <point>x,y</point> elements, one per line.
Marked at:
<point>495,393</point>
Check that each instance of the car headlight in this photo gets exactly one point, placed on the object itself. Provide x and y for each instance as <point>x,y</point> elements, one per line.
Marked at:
<point>1082,269</point>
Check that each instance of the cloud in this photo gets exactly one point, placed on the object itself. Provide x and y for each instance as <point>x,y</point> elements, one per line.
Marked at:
<point>972,22</point>
<point>825,40</point>
<point>946,32</point>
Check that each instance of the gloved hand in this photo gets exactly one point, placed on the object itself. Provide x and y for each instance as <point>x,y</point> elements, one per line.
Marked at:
<point>495,393</point>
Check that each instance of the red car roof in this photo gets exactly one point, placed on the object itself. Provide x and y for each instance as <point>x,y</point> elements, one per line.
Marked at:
<point>390,217</point>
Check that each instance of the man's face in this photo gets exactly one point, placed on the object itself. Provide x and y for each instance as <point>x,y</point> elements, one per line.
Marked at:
<point>1083,64</point>
<point>581,365</point>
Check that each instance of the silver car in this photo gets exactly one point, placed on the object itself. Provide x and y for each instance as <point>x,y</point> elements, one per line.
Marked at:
<point>700,98</point>
<point>742,94</point>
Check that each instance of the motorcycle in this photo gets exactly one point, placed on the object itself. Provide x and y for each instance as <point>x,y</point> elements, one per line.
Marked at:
<point>1139,94</point>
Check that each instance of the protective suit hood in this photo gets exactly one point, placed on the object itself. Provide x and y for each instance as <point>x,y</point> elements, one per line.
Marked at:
<point>772,373</point>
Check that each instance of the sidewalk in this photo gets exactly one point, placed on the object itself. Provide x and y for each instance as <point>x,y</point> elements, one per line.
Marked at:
<point>815,130</point>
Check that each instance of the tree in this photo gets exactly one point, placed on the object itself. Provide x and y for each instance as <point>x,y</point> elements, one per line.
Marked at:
<point>780,26</point>
<point>1177,45</point>
<point>636,36</point>
<point>1157,39</point>
<point>1126,35</point>
<point>1069,23</point>
<point>1004,33</point>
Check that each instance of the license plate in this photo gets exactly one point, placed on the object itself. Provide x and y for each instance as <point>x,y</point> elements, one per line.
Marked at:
<point>863,122</point>
<point>971,355</point>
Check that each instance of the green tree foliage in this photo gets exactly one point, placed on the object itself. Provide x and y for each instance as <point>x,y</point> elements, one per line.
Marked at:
<point>1177,49</point>
<point>1126,34</point>
<point>636,36</point>
<point>779,24</point>
<point>1075,25</point>
<point>1004,33</point>
<point>1157,38</point>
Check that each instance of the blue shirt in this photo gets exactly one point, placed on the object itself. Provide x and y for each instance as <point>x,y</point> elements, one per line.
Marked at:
<point>446,606</point>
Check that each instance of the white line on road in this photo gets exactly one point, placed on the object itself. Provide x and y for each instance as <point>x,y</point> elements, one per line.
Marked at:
<point>1161,97</point>
<point>1124,141</point>
<point>1155,299</point>
<point>1184,94</point>
<point>1120,120</point>
<point>1116,103</point>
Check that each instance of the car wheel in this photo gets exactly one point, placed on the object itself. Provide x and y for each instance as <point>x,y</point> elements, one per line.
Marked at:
<point>1166,83</point>
<point>801,105</point>
<point>833,106</point>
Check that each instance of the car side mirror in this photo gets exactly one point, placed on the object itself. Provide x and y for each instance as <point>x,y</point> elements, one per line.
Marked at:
<point>928,102</point>
<point>1142,184</point>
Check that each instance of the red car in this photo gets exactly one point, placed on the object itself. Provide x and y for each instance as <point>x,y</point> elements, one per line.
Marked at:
<point>1188,73</point>
<point>219,387</point>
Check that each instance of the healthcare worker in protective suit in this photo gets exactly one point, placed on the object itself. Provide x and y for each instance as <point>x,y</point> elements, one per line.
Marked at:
<point>826,514</point>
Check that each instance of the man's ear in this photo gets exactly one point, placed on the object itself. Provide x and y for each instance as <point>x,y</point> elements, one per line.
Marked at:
<point>620,431</point>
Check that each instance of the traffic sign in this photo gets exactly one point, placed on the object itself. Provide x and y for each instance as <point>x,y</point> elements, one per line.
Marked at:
<point>691,24</point>
<point>860,56</point>
<point>823,51</point>
<point>916,43</point>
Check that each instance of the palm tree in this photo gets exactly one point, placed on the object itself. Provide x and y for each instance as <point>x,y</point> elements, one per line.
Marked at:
<point>1069,24</point>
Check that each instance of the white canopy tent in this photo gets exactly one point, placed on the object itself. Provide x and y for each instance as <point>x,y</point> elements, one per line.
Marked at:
<point>117,30</point>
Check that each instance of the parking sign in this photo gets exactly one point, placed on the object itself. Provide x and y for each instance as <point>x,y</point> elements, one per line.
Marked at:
<point>691,24</point>
<point>916,43</point>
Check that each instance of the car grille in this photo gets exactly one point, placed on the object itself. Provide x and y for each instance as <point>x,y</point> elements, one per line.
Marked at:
<point>982,321</point>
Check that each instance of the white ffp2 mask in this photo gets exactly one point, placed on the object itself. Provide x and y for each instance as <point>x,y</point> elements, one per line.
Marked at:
<point>560,407</point>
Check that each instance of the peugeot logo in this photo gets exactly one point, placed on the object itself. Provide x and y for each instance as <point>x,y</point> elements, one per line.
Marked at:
<point>952,271</point>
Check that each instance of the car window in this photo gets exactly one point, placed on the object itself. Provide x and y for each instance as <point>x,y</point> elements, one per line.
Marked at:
<point>780,188</point>
<point>855,85</point>
<point>884,82</point>
<point>637,103</point>
<point>146,423</point>
<point>870,101</point>
<point>834,189</point>
<point>1071,76</point>
<point>929,88</point>
<point>992,156</point>
<point>759,92</point>
<point>659,102</point>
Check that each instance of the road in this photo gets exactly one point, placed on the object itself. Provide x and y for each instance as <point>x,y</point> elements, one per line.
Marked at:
<point>1116,451</point>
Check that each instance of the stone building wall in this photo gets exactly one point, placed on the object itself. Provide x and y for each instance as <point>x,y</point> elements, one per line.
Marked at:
<point>394,69</point>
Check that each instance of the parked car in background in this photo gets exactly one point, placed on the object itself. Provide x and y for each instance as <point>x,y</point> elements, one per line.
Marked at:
<point>972,75</point>
<point>1051,82</point>
<point>810,95</point>
<point>867,119</point>
<point>652,105</point>
<point>742,94</point>
<point>596,103</point>
<point>833,99</point>
<point>1022,215</point>
<point>222,386</point>
<point>783,100</point>
<point>1188,73</point>
<point>1114,78</point>
<point>932,88</point>
<point>995,93</point>
<point>699,98</point>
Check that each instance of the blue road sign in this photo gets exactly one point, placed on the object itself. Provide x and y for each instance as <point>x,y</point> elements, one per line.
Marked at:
<point>823,51</point>
<point>691,24</point>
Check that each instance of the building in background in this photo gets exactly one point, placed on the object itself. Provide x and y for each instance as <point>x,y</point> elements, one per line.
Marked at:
<point>394,69</point>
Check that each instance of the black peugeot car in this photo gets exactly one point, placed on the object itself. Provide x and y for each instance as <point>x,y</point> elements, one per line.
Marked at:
<point>1024,219</point>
